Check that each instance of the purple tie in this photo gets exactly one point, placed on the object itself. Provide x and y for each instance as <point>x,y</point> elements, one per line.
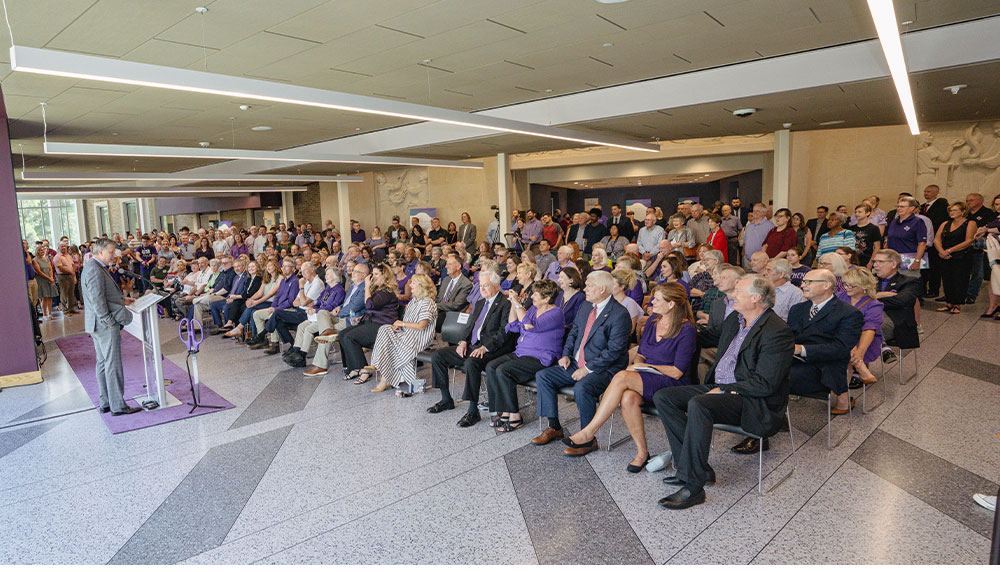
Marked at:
<point>479,323</point>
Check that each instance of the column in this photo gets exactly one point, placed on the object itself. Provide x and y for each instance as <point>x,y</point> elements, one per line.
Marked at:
<point>148,218</point>
<point>81,220</point>
<point>782,171</point>
<point>344,210</point>
<point>505,199</point>
<point>287,206</point>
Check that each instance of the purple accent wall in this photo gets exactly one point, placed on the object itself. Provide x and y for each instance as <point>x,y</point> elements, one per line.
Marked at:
<point>17,345</point>
<point>189,205</point>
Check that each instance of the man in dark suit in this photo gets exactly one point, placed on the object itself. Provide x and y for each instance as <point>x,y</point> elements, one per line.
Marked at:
<point>739,211</point>
<point>625,227</point>
<point>936,209</point>
<point>826,329</point>
<point>747,386</point>
<point>595,349</point>
<point>816,226</point>
<point>455,288</point>
<point>899,294</point>
<point>710,325</point>
<point>485,339</point>
<point>104,316</point>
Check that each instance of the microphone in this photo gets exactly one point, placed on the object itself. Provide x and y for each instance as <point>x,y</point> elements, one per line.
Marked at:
<point>139,276</point>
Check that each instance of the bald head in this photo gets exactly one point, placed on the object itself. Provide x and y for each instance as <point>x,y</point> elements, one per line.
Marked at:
<point>818,285</point>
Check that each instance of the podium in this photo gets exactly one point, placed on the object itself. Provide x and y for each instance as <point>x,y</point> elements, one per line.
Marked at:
<point>144,326</point>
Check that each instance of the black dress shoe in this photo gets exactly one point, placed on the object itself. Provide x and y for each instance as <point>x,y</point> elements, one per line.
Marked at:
<point>469,419</point>
<point>104,409</point>
<point>750,446</point>
<point>673,480</point>
<point>683,498</point>
<point>126,411</point>
<point>855,383</point>
<point>441,406</point>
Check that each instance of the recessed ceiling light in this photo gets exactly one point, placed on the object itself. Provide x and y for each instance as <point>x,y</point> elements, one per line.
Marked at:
<point>607,44</point>
<point>837,122</point>
<point>906,22</point>
<point>201,9</point>
<point>954,88</point>
<point>261,128</point>
<point>114,134</point>
<point>576,182</point>
<point>357,129</point>
<point>548,91</point>
<point>428,61</point>
<point>244,108</point>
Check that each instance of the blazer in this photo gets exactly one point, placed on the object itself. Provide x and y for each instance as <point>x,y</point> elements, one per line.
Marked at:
<point>224,282</point>
<point>828,338</point>
<point>606,348</point>
<point>467,234</point>
<point>494,336</point>
<point>624,226</point>
<point>811,225</point>
<point>103,303</point>
<point>456,298</point>
<point>252,286</point>
<point>761,371</point>
<point>709,337</point>
<point>900,309</point>
<point>938,212</point>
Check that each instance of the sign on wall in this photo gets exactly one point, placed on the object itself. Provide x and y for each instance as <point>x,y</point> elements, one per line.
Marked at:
<point>638,208</point>
<point>424,215</point>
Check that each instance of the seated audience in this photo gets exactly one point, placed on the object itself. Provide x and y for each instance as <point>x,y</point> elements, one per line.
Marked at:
<point>786,294</point>
<point>570,294</point>
<point>794,258</point>
<point>665,357</point>
<point>284,296</point>
<point>747,386</point>
<point>898,293</point>
<point>861,287</point>
<point>455,288</point>
<point>595,349</point>
<point>539,332</point>
<point>614,243</point>
<point>381,309</point>
<point>320,318</point>
<point>226,312</point>
<point>287,320</point>
<point>215,291</point>
<point>345,314</point>
<point>624,281</point>
<point>727,277</point>
<point>270,280</point>
<point>702,281</point>
<point>397,345</point>
<point>484,339</point>
<point>599,259</point>
<point>835,264</point>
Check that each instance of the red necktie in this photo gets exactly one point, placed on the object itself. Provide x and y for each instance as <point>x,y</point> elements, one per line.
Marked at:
<point>586,334</point>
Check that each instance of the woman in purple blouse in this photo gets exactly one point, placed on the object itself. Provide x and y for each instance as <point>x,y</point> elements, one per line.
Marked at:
<point>665,357</point>
<point>861,286</point>
<point>539,345</point>
<point>570,294</point>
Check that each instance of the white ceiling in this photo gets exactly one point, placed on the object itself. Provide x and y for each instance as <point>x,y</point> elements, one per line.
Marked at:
<point>483,54</point>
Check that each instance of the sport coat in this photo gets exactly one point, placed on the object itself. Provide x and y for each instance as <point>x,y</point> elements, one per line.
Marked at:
<point>937,212</point>
<point>624,226</point>
<point>103,303</point>
<point>900,309</point>
<point>828,337</point>
<point>493,336</point>
<point>761,370</point>
<point>606,348</point>
<point>456,298</point>
<point>467,234</point>
<point>709,337</point>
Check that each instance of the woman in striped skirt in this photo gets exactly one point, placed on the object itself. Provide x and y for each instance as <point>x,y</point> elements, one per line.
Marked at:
<point>397,345</point>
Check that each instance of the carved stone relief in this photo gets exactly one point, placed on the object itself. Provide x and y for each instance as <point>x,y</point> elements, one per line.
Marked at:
<point>399,190</point>
<point>961,159</point>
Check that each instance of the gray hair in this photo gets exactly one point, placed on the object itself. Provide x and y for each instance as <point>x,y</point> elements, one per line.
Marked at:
<point>491,276</point>
<point>838,216</point>
<point>713,254</point>
<point>102,244</point>
<point>737,270</point>
<point>760,286</point>
<point>892,255</point>
<point>781,266</point>
<point>337,277</point>
<point>910,201</point>
<point>604,279</point>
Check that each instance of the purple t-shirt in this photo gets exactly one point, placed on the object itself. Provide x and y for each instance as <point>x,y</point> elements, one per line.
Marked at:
<point>544,339</point>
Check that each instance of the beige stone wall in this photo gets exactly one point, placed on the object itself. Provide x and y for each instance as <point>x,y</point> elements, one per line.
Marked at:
<point>239,217</point>
<point>114,214</point>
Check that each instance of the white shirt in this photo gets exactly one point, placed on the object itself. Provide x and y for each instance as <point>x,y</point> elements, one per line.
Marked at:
<point>648,239</point>
<point>314,288</point>
<point>220,247</point>
<point>486,308</point>
<point>258,244</point>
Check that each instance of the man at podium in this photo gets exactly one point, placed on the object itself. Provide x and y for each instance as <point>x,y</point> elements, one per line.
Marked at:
<point>104,316</point>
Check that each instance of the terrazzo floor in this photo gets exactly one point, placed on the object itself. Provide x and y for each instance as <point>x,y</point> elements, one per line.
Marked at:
<point>308,470</point>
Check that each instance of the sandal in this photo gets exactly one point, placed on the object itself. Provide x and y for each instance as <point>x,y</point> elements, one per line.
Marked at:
<point>498,420</point>
<point>508,425</point>
<point>945,308</point>
<point>364,375</point>
<point>956,310</point>
<point>353,374</point>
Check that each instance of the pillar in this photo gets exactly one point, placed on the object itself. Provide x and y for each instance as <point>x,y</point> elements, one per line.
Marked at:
<point>287,206</point>
<point>505,198</point>
<point>344,210</point>
<point>782,168</point>
<point>148,219</point>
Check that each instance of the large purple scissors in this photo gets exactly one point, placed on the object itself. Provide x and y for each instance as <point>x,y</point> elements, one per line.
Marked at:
<point>186,329</point>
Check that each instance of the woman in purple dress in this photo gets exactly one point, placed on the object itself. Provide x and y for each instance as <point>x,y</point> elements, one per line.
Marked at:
<point>861,286</point>
<point>570,294</point>
<point>665,357</point>
<point>539,345</point>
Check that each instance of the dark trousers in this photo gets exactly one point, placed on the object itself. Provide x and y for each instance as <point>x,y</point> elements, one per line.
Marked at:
<point>934,274</point>
<point>586,391</point>
<point>977,271</point>
<point>281,320</point>
<point>503,375</point>
<point>688,415</point>
<point>807,378</point>
<point>955,278</point>
<point>232,312</point>
<point>447,358</point>
<point>216,309</point>
<point>353,341</point>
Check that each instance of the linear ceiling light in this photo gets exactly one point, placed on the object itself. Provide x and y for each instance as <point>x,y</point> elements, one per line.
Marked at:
<point>884,16</point>
<point>166,191</point>
<point>65,64</point>
<point>99,176</point>
<point>53,148</point>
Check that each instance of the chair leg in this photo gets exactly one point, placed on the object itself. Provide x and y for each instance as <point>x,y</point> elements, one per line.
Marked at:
<point>760,467</point>
<point>792,439</point>
<point>611,426</point>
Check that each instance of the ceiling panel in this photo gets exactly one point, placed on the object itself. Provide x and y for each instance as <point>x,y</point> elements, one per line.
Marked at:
<point>337,19</point>
<point>229,21</point>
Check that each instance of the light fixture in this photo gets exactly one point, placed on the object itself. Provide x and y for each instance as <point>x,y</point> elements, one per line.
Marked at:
<point>81,66</point>
<point>261,128</point>
<point>607,44</point>
<point>955,88</point>
<point>52,148</point>
<point>181,176</point>
<point>836,122</point>
<point>244,108</point>
<point>85,191</point>
<point>884,16</point>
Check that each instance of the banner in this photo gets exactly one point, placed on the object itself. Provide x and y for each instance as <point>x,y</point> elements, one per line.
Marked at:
<point>638,208</point>
<point>424,215</point>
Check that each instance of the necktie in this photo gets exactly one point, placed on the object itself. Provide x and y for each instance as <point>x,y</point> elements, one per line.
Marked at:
<point>479,322</point>
<point>813,311</point>
<point>447,290</point>
<point>580,360</point>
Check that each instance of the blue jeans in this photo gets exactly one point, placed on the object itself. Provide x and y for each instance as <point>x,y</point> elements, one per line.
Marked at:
<point>587,391</point>
<point>976,282</point>
<point>247,317</point>
<point>216,308</point>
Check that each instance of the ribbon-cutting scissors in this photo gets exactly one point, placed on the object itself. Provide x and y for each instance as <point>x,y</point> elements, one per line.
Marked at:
<point>186,328</point>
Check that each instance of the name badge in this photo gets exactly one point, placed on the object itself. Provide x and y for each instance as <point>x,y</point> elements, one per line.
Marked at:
<point>463,318</point>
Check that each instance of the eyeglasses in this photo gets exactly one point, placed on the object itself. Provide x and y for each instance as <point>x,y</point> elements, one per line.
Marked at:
<point>812,281</point>
<point>877,261</point>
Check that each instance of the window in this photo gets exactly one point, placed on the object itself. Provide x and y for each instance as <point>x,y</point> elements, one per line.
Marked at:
<point>49,219</point>
<point>131,213</point>
<point>167,224</point>
<point>103,221</point>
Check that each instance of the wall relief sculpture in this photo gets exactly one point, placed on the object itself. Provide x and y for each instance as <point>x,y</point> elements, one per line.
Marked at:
<point>960,160</point>
<point>399,190</point>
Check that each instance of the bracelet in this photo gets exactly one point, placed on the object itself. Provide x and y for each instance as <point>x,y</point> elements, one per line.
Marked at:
<point>994,263</point>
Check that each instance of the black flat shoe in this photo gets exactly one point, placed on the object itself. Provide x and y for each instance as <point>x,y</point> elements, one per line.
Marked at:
<point>441,406</point>
<point>469,419</point>
<point>683,498</point>
<point>637,468</point>
<point>750,446</point>
<point>104,409</point>
<point>673,480</point>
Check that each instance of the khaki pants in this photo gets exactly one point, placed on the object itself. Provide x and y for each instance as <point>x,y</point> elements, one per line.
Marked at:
<point>261,316</point>
<point>33,291</point>
<point>307,330</point>
<point>67,294</point>
<point>201,304</point>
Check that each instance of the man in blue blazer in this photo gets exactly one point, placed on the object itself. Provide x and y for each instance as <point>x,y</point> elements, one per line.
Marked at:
<point>595,349</point>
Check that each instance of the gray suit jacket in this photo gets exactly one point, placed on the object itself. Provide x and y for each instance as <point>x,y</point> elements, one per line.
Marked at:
<point>457,297</point>
<point>467,234</point>
<point>103,303</point>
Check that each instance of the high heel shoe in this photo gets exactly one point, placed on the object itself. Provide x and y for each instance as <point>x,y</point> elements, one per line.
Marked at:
<point>636,468</point>
<point>990,314</point>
